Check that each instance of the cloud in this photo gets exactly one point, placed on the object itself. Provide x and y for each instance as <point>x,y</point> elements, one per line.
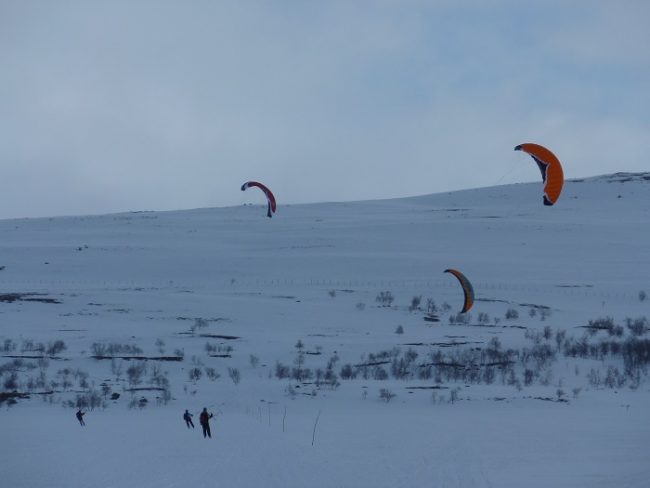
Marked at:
<point>115,106</point>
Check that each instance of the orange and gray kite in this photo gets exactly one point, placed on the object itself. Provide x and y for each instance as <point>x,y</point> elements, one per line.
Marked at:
<point>467,288</point>
<point>269,196</point>
<point>551,169</point>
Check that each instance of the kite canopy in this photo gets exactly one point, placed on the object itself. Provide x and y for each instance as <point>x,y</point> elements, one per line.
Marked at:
<point>551,169</point>
<point>467,288</point>
<point>269,196</point>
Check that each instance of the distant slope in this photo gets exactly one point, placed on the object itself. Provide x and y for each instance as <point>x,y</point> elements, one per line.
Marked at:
<point>497,234</point>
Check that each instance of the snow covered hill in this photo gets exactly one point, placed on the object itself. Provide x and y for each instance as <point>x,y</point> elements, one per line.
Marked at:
<point>313,338</point>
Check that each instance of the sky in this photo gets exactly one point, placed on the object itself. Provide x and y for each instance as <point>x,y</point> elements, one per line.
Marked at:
<point>162,105</point>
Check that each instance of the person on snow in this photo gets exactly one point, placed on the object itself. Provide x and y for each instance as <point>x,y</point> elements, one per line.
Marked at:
<point>187,416</point>
<point>80,417</point>
<point>204,419</point>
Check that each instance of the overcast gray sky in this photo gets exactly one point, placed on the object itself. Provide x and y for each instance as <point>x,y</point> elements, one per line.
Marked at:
<point>156,105</point>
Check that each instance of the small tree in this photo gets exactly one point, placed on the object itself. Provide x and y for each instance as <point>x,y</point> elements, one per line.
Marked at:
<point>399,330</point>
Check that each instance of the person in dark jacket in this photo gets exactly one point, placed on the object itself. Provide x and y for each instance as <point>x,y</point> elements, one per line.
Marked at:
<point>187,416</point>
<point>204,419</point>
<point>80,417</point>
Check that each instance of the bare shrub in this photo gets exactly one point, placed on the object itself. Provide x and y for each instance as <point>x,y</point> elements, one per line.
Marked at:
<point>347,372</point>
<point>332,293</point>
<point>638,326</point>
<point>291,391</point>
<point>547,333</point>
<point>594,378</point>
<point>254,360</point>
<point>116,368</point>
<point>529,376</point>
<point>282,371</point>
<point>483,318</point>
<point>379,373</point>
<point>81,377</point>
<point>511,314</point>
<point>425,372</point>
<point>11,383</point>
<point>642,296</point>
<point>234,375</point>
<point>91,400</point>
<point>114,349</point>
<point>198,324</point>
<point>602,323</point>
<point>385,298</point>
<point>135,372</point>
<point>54,348</point>
<point>454,395</point>
<point>460,318</point>
<point>158,377</point>
<point>386,395</point>
<point>614,378</point>
<point>301,374</point>
<point>330,379</point>
<point>165,397</point>
<point>195,374</point>
<point>28,345</point>
<point>360,306</point>
<point>65,378</point>
<point>212,374</point>
<point>616,331</point>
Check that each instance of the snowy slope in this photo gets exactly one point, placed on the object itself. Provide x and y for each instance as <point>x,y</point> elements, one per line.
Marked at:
<point>312,274</point>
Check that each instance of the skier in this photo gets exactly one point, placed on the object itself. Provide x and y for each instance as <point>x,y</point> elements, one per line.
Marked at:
<point>187,416</point>
<point>204,419</point>
<point>80,417</point>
